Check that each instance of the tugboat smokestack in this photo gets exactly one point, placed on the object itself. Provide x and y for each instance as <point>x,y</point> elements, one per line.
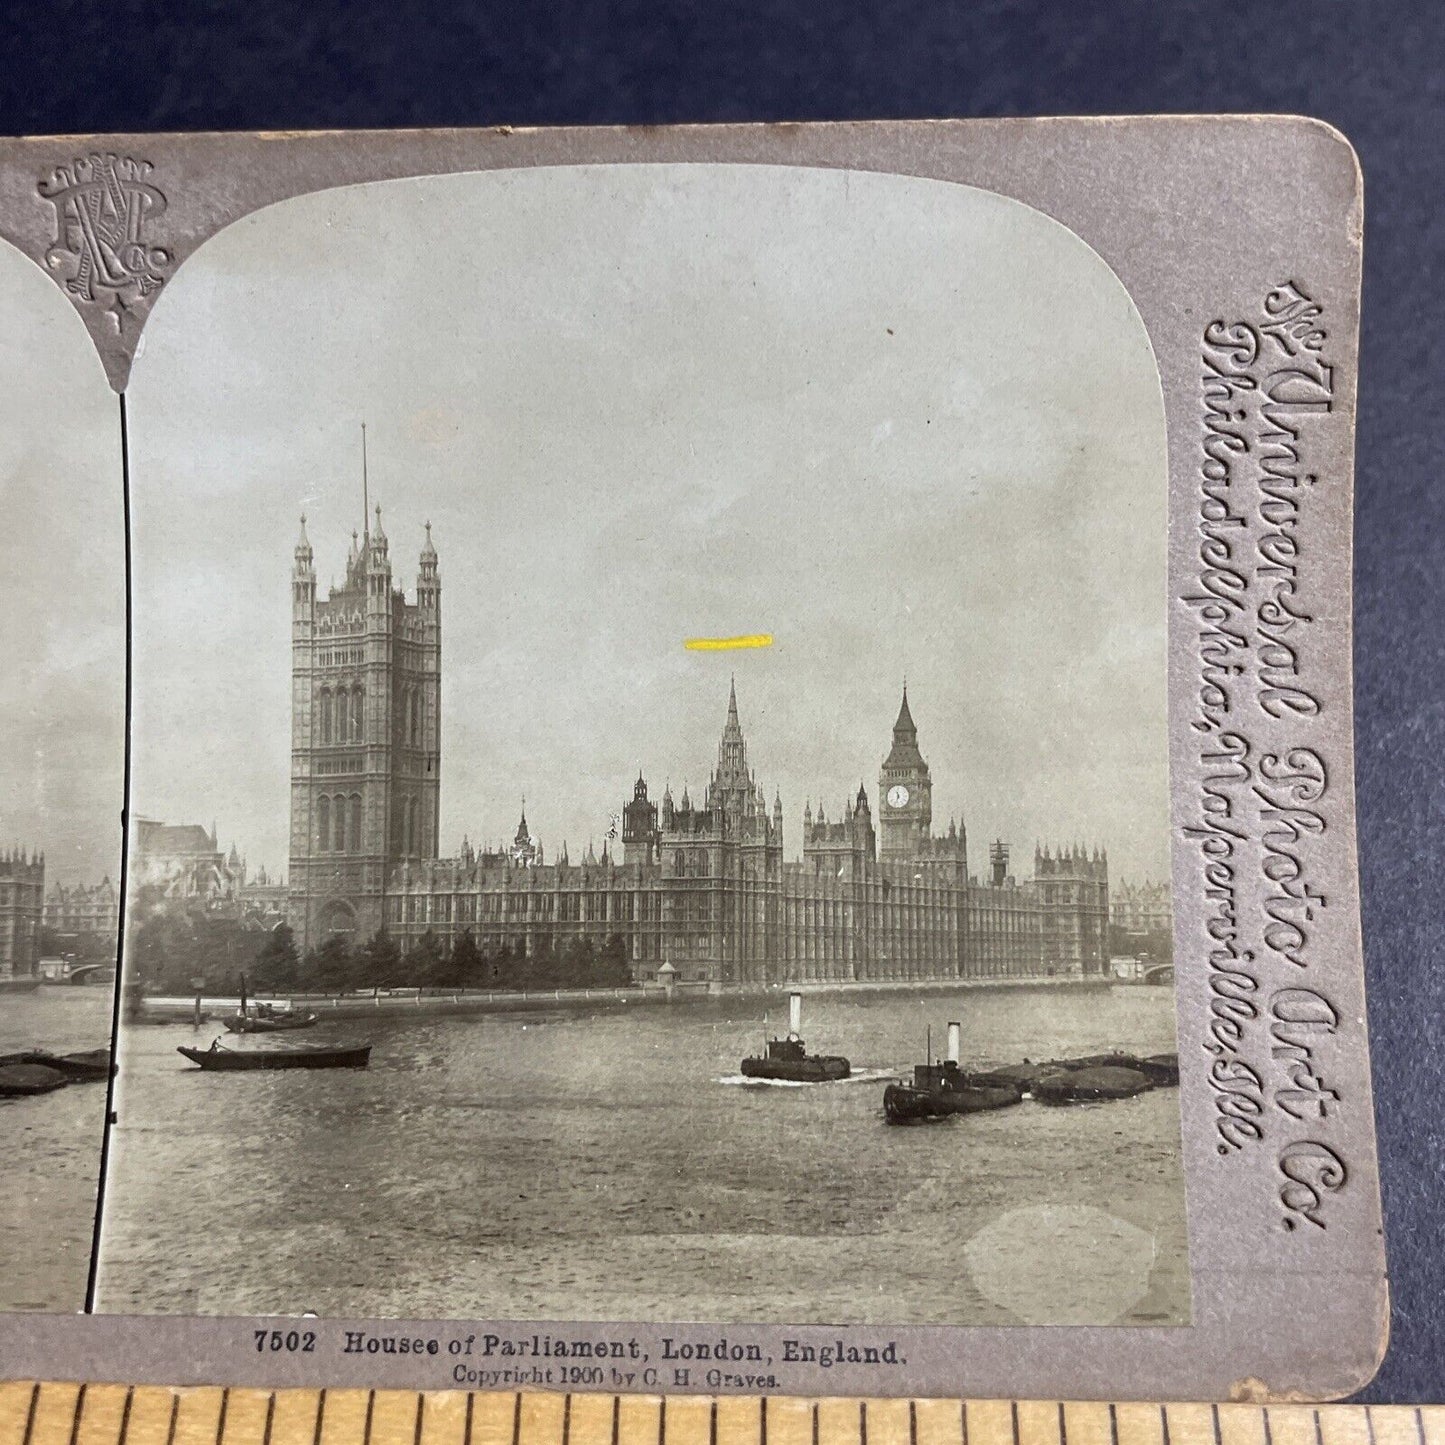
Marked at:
<point>795,1013</point>
<point>953,1032</point>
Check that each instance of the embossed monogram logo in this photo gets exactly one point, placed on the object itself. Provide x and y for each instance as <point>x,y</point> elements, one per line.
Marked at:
<point>105,208</point>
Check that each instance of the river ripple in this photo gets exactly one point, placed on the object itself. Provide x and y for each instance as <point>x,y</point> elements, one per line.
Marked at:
<point>50,1146</point>
<point>566,1166</point>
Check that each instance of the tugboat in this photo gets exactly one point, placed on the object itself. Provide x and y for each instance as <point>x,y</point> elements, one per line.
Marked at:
<point>939,1090</point>
<point>788,1058</point>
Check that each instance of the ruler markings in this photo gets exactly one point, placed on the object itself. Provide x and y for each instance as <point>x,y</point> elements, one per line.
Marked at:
<point>54,1414</point>
<point>591,1420</point>
<point>345,1417</point>
<point>1398,1425</point>
<point>292,1418</point>
<point>78,1415</point>
<point>30,1413</point>
<point>1035,1420</point>
<point>637,1419</point>
<point>44,1414</point>
<point>245,1417</point>
<point>123,1429</point>
<point>689,1420</point>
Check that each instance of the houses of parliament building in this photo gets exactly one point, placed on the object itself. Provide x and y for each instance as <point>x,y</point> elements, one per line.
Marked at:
<point>699,889</point>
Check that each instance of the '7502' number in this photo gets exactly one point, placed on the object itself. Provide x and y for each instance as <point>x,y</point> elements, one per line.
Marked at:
<point>290,1342</point>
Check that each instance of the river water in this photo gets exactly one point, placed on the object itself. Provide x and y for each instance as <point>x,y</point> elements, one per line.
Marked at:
<point>614,1166</point>
<point>50,1153</point>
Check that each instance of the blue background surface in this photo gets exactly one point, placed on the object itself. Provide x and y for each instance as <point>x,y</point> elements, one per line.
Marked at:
<point>1374,70</point>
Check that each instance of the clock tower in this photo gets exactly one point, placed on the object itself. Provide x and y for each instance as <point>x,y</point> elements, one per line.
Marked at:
<point>905,793</point>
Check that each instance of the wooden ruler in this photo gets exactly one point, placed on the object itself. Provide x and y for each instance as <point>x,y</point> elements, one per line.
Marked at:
<point>52,1414</point>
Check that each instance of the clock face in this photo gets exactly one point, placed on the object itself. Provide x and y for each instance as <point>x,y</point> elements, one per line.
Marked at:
<point>898,796</point>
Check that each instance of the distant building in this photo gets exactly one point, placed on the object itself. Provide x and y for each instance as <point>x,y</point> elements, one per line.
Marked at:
<point>22,907</point>
<point>701,886</point>
<point>180,860</point>
<point>83,910</point>
<point>1141,907</point>
<point>185,861</point>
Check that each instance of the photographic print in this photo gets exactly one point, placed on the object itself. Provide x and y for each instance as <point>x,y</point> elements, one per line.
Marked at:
<point>62,716</point>
<point>737,761</point>
<point>742,582</point>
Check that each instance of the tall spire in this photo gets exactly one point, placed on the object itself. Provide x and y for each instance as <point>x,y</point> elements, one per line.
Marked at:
<point>905,721</point>
<point>303,554</point>
<point>904,753</point>
<point>732,786</point>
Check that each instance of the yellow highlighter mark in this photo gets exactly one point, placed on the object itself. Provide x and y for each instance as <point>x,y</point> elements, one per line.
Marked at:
<point>724,644</point>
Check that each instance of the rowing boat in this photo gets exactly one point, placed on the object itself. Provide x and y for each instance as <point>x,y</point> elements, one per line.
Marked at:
<point>294,1056</point>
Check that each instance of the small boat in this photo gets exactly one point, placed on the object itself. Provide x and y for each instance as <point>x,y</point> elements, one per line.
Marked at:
<point>788,1059</point>
<point>265,1018</point>
<point>20,1079</point>
<point>268,1022</point>
<point>942,1089</point>
<point>1087,1085</point>
<point>294,1056</point>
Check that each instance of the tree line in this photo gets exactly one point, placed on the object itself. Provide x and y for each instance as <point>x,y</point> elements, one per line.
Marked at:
<point>340,965</point>
<point>174,952</point>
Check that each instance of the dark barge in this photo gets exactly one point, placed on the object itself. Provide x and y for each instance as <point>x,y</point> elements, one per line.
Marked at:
<point>295,1056</point>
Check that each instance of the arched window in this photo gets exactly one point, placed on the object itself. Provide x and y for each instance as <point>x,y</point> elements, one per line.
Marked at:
<point>358,712</point>
<point>702,865</point>
<point>343,715</point>
<point>679,863</point>
<point>340,817</point>
<point>406,822</point>
<point>411,827</point>
<point>323,823</point>
<point>325,714</point>
<point>415,716</point>
<point>356,822</point>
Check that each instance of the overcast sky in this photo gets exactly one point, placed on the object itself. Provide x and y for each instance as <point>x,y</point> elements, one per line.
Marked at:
<point>62,622</point>
<point>910,429</point>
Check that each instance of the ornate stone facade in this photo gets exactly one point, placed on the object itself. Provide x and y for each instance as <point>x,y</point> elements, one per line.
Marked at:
<point>1141,907</point>
<point>365,735</point>
<point>703,886</point>
<point>22,904</point>
<point>83,909</point>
